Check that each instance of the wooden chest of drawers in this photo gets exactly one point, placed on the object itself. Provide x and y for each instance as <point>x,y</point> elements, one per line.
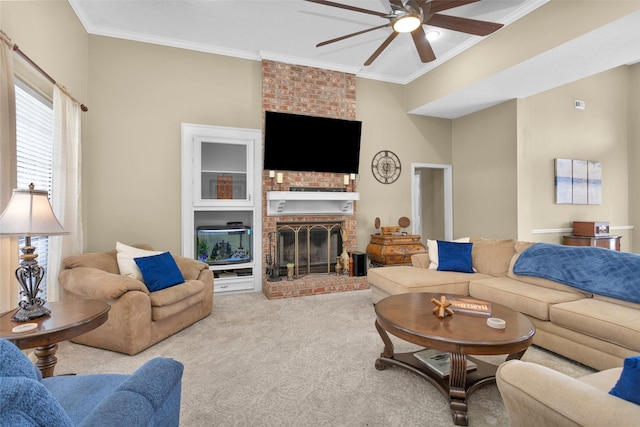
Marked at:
<point>385,249</point>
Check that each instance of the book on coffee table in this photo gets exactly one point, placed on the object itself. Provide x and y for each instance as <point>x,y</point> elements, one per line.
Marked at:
<point>470,305</point>
<point>439,361</point>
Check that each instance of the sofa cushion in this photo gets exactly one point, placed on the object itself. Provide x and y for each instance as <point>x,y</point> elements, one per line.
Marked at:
<point>159,271</point>
<point>167,302</point>
<point>604,320</point>
<point>99,260</point>
<point>519,296</point>
<point>492,256</point>
<point>454,256</point>
<point>93,389</point>
<point>125,256</point>
<point>403,279</point>
<point>421,260</point>
<point>629,304</point>
<point>628,386</point>
<point>539,281</point>
<point>432,249</point>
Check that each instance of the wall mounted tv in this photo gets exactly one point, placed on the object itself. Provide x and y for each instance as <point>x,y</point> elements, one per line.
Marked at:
<point>295,142</point>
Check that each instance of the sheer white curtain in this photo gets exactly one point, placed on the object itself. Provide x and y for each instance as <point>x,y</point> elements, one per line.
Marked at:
<point>66,190</point>
<point>8,175</point>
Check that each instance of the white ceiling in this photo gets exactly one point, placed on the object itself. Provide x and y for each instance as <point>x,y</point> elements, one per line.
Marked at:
<point>288,30</point>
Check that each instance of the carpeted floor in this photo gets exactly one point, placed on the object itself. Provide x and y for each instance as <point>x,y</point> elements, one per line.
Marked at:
<point>298,362</point>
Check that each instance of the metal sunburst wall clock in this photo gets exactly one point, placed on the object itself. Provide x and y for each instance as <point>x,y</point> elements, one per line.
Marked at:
<point>386,167</point>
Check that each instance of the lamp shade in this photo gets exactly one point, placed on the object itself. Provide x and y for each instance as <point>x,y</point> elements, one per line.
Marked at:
<point>29,213</point>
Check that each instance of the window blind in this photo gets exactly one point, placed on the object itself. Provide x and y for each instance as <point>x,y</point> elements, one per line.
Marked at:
<point>34,149</point>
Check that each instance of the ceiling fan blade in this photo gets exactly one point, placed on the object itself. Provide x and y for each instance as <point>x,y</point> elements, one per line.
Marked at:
<point>464,25</point>
<point>397,3</point>
<point>425,51</point>
<point>337,39</point>
<point>440,5</point>
<point>346,6</point>
<point>382,47</point>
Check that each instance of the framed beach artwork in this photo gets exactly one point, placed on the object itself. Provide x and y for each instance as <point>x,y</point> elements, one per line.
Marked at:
<point>578,182</point>
<point>563,181</point>
<point>594,183</point>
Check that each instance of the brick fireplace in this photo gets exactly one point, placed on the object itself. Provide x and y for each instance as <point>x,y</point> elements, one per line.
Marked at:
<point>315,92</point>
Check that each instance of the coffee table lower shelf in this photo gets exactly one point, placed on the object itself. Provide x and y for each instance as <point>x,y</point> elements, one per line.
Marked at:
<point>485,373</point>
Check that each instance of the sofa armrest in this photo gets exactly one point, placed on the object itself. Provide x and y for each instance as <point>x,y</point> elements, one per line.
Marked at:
<point>94,283</point>
<point>420,260</point>
<point>151,396</point>
<point>191,269</point>
<point>535,395</point>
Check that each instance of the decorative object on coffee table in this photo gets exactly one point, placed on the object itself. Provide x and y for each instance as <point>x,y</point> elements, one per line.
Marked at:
<point>442,307</point>
<point>28,214</point>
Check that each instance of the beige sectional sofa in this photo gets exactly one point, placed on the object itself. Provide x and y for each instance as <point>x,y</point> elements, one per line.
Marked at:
<point>597,331</point>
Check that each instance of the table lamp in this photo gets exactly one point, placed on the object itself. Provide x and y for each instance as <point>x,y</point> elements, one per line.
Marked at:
<point>27,214</point>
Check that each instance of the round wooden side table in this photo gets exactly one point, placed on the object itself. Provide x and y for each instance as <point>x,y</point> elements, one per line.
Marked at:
<point>68,319</point>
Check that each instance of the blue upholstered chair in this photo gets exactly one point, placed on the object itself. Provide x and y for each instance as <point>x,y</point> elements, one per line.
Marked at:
<point>148,397</point>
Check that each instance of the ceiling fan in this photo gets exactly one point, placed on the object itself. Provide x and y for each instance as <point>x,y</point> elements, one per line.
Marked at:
<point>409,17</point>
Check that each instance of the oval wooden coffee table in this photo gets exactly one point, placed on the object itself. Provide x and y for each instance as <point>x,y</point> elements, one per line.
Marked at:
<point>68,319</point>
<point>410,317</point>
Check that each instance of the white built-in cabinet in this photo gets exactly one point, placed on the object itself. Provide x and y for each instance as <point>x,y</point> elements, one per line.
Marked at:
<point>221,187</point>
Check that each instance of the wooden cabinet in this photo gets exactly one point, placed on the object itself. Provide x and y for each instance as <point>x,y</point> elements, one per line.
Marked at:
<point>607,242</point>
<point>386,249</point>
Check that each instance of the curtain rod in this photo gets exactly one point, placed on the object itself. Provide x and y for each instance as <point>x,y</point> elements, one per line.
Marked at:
<point>24,56</point>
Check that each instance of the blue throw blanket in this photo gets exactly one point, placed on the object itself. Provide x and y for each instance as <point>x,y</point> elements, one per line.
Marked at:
<point>596,270</point>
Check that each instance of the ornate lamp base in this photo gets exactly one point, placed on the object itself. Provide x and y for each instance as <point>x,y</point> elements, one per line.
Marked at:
<point>29,276</point>
<point>29,313</point>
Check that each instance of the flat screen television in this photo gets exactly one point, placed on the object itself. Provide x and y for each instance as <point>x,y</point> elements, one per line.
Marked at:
<point>294,142</point>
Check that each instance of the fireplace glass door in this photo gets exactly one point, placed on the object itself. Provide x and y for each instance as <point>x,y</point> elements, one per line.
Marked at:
<point>312,248</point>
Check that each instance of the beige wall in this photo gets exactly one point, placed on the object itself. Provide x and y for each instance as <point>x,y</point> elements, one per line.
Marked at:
<point>52,36</point>
<point>415,139</point>
<point>503,160</point>
<point>484,173</point>
<point>140,94</point>
<point>555,129</point>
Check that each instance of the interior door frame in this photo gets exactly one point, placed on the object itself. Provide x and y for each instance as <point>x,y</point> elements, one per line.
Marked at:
<point>416,198</point>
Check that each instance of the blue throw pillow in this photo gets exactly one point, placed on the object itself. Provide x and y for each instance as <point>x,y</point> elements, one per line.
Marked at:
<point>454,256</point>
<point>628,385</point>
<point>159,271</point>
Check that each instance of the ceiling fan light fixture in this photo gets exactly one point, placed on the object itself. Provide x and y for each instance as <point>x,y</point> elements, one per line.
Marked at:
<point>406,23</point>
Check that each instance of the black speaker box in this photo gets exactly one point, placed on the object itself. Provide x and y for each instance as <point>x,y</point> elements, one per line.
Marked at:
<point>359,263</point>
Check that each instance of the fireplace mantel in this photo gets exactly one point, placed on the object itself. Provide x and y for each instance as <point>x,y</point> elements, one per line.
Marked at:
<point>310,202</point>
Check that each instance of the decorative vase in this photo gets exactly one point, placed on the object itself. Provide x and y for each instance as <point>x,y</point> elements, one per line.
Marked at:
<point>344,261</point>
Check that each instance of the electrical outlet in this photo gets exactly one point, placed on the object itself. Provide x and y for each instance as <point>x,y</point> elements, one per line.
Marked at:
<point>579,105</point>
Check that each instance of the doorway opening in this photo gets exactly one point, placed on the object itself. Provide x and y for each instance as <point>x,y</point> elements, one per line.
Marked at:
<point>432,201</point>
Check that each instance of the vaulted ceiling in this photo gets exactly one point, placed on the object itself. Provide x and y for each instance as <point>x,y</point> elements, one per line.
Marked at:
<point>288,31</point>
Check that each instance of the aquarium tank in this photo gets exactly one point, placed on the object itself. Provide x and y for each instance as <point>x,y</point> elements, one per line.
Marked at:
<point>230,244</point>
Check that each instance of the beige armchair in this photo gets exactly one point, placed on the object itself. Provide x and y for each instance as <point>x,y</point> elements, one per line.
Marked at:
<point>535,395</point>
<point>138,318</point>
